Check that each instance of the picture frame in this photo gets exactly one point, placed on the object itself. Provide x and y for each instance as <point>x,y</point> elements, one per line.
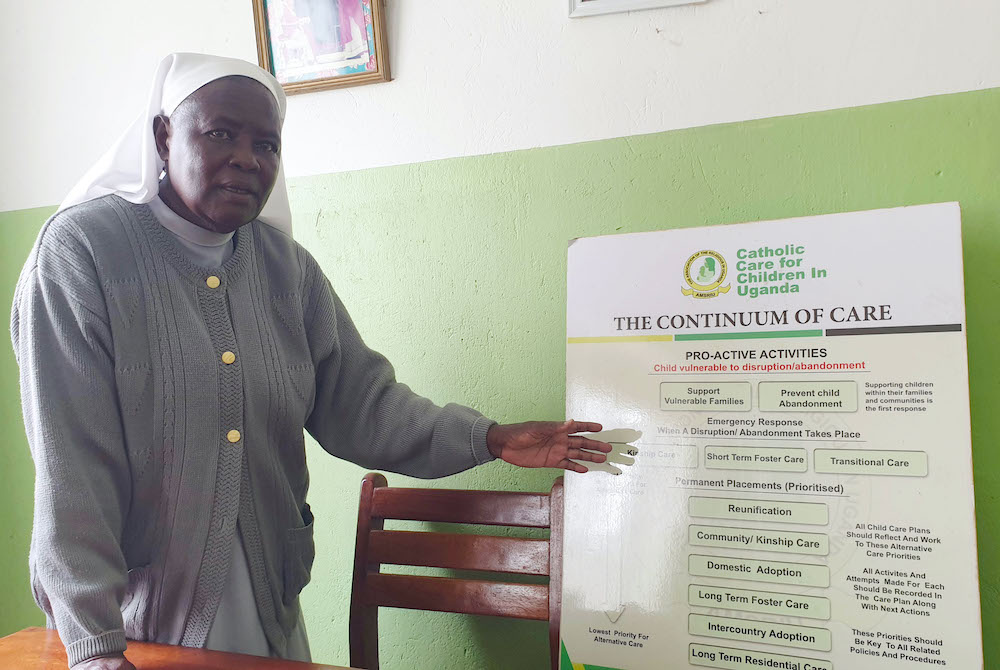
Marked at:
<point>315,45</point>
<point>578,8</point>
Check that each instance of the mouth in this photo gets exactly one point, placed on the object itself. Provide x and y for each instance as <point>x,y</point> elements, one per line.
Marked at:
<point>239,189</point>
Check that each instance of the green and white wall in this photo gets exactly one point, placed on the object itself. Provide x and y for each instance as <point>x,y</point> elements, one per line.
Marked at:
<point>440,204</point>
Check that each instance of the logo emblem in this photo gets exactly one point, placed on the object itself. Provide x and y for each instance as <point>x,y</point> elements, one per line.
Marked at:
<point>704,272</point>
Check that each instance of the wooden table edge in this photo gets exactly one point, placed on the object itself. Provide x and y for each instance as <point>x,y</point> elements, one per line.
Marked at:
<point>41,649</point>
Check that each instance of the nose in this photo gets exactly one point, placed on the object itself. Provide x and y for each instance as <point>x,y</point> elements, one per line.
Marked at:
<point>243,157</point>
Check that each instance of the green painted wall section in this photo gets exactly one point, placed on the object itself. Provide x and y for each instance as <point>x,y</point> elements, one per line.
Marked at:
<point>17,609</point>
<point>455,269</point>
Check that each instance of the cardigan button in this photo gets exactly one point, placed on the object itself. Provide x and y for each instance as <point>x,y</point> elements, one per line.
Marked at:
<point>213,281</point>
<point>233,436</point>
<point>228,357</point>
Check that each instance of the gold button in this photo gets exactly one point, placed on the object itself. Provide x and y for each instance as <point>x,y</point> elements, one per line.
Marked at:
<point>233,436</point>
<point>228,357</point>
<point>213,282</point>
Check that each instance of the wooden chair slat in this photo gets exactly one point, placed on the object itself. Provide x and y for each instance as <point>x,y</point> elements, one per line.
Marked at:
<point>466,552</point>
<point>465,596</point>
<point>496,508</point>
<point>376,546</point>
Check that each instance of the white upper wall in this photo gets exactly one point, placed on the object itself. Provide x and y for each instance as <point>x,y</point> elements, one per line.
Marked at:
<point>481,77</point>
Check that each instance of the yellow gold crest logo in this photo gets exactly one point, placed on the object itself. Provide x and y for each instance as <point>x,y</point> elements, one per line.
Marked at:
<point>704,272</point>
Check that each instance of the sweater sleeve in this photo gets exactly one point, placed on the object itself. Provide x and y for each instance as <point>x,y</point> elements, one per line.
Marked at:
<point>63,346</point>
<point>362,414</point>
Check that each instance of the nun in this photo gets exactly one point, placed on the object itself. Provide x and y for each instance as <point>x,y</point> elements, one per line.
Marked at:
<point>174,342</point>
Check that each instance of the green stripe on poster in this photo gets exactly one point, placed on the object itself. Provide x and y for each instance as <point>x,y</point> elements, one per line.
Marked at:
<point>566,664</point>
<point>766,334</point>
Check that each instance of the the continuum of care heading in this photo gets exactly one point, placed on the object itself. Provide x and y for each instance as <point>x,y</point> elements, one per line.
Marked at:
<point>750,319</point>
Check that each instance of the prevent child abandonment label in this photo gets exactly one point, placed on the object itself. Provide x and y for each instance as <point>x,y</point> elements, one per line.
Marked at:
<point>795,398</point>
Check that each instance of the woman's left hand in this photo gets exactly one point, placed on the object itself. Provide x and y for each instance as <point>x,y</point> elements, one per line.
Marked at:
<point>547,444</point>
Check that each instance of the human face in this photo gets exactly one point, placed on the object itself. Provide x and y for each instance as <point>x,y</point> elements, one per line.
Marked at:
<point>221,147</point>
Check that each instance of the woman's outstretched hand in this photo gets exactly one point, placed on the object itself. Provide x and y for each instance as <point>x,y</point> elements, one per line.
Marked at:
<point>547,444</point>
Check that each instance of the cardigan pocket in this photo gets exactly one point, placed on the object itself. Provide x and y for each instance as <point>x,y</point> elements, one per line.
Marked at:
<point>300,551</point>
<point>303,377</point>
<point>136,614</point>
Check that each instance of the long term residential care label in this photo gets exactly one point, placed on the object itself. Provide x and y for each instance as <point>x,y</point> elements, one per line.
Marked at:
<point>794,396</point>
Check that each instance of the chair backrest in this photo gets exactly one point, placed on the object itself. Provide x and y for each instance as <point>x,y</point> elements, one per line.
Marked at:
<point>509,555</point>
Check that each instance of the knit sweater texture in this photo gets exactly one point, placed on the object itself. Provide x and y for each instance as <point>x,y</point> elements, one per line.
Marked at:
<point>152,450</point>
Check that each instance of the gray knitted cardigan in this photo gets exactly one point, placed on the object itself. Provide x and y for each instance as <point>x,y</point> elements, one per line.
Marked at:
<point>152,450</point>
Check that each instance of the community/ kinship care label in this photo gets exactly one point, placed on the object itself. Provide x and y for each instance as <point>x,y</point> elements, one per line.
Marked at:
<point>794,395</point>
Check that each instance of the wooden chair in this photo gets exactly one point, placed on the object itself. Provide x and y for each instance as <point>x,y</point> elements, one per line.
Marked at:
<point>375,546</point>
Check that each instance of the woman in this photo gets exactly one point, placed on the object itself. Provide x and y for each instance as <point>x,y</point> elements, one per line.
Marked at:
<point>174,341</point>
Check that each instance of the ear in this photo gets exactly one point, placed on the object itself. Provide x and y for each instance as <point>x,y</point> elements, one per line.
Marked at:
<point>161,135</point>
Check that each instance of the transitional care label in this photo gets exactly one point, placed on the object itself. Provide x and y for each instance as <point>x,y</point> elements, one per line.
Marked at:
<point>792,486</point>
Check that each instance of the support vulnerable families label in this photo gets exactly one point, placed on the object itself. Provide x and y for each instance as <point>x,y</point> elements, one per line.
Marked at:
<point>794,396</point>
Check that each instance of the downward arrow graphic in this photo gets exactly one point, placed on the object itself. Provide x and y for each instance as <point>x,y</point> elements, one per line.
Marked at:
<point>614,616</point>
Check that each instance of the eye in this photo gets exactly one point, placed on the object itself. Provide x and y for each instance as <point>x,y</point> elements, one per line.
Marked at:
<point>269,147</point>
<point>219,134</point>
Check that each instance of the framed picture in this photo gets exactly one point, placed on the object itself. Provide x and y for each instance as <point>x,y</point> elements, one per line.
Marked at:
<point>312,45</point>
<point>592,7</point>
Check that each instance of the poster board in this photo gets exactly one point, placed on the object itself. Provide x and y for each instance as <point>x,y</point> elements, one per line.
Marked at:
<point>796,397</point>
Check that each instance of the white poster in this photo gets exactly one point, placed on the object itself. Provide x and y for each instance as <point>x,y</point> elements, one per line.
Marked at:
<point>796,397</point>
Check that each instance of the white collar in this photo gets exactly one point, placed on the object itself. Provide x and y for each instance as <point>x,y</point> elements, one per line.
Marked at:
<point>184,229</point>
